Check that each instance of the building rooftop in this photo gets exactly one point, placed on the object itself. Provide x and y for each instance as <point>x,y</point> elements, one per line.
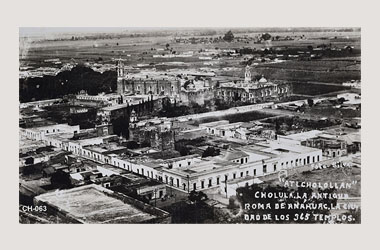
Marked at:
<point>95,204</point>
<point>214,124</point>
<point>104,147</point>
<point>303,136</point>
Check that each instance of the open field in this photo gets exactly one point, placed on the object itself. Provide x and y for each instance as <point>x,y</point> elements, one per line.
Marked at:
<point>141,49</point>
<point>313,89</point>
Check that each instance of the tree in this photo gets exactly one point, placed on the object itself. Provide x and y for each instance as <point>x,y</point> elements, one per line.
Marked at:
<point>197,197</point>
<point>183,150</point>
<point>61,179</point>
<point>266,36</point>
<point>210,151</point>
<point>228,36</point>
<point>310,102</point>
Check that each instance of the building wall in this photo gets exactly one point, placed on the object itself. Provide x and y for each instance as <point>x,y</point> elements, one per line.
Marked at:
<point>254,94</point>
<point>149,86</point>
<point>38,134</point>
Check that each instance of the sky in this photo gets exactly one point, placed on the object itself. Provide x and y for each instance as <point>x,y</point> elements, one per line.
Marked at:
<point>43,31</point>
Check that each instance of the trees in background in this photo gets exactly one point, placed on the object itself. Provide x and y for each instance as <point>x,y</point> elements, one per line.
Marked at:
<point>228,37</point>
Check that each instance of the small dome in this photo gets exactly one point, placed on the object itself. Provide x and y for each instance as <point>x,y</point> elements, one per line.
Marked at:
<point>263,80</point>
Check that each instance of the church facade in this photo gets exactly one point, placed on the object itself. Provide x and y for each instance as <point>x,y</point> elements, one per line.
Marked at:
<point>131,85</point>
<point>252,91</point>
<point>180,89</point>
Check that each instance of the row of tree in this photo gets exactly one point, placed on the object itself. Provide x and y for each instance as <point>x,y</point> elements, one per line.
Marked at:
<point>67,82</point>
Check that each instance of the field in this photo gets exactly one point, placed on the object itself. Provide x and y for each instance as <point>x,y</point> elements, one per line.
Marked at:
<point>313,89</point>
<point>336,68</point>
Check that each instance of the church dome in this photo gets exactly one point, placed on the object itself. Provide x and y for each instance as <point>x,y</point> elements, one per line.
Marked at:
<point>263,80</point>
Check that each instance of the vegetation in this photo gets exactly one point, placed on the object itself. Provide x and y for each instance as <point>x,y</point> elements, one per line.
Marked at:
<point>211,151</point>
<point>67,82</point>
<point>61,179</point>
<point>194,210</point>
<point>228,37</point>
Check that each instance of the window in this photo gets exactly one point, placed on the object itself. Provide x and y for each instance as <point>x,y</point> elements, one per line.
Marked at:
<point>209,182</point>
<point>188,163</point>
<point>264,169</point>
<point>194,186</point>
<point>247,173</point>
<point>217,180</point>
<point>177,182</point>
<point>234,176</point>
<point>274,167</point>
<point>318,158</point>
<point>241,174</point>
<point>254,172</point>
<point>180,165</point>
<point>202,184</point>
<point>313,158</point>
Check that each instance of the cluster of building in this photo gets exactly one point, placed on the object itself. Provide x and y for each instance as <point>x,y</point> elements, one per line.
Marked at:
<point>239,165</point>
<point>252,91</point>
<point>112,171</point>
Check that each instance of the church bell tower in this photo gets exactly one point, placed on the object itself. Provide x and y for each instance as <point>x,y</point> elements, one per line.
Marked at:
<point>247,75</point>
<point>120,76</point>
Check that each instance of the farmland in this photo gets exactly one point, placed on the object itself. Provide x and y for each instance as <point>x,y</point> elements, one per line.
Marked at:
<point>300,56</point>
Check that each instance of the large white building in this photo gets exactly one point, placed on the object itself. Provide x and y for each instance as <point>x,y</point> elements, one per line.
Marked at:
<point>234,167</point>
<point>39,133</point>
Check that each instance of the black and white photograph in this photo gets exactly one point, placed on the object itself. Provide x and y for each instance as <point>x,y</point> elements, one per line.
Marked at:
<point>189,125</point>
<point>181,125</point>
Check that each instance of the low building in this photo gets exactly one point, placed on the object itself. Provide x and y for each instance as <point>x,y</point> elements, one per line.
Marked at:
<point>39,133</point>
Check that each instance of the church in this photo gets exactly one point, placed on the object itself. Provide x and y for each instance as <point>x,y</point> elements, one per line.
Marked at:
<point>140,84</point>
<point>182,89</point>
<point>252,91</point>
